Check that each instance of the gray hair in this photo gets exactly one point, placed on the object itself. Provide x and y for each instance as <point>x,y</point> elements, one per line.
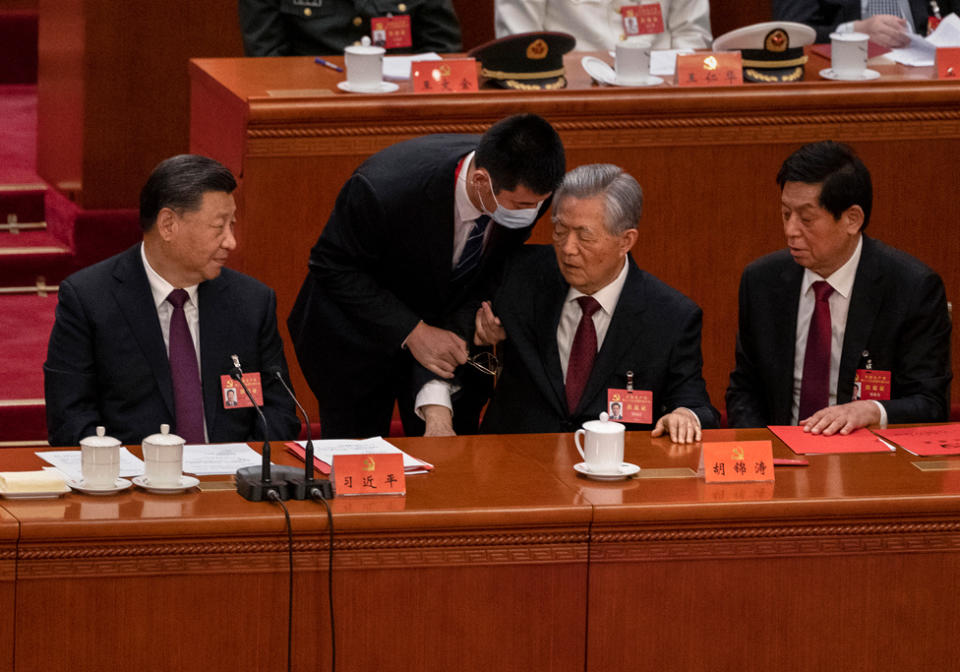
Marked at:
<point>622,193</point>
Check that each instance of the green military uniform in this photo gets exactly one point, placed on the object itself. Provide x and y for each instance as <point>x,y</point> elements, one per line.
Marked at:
<point>310,27</point>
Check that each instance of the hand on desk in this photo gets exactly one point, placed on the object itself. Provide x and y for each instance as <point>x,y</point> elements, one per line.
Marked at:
<point>489,330</point>
<point>884,29</point>
<point>682,425</point>
<point>843,418</point>
<point>439,420</point>
<point>439,350</point>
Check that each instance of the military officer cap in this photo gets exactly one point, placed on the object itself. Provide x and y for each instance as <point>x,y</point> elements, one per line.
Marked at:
<point>526,60</point>
<point>771,51</point>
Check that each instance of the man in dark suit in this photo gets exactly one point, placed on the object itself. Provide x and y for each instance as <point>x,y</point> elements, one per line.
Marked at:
<point>836,307</point>
<point>579,316</point>
<point>123,350</point>
<point>886,24</point>
<point>395,277</point>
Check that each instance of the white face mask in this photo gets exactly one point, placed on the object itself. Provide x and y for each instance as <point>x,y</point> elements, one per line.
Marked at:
<point>510,219</point>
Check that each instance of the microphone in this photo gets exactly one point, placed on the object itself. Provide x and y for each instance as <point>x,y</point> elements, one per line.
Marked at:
<point>302,488</point>
<point>253,485</point>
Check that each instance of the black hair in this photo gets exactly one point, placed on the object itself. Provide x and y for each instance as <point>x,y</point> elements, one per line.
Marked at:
<point>522,150</point>
<point>844,180</point>
<point>179,183</point>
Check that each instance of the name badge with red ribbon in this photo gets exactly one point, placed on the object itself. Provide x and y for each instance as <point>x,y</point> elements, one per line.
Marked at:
<point>630,405</point>
<point>233,394</point>
<point>453,75</point>
<point>872,384</point>
<point>371,474</point>
<point>642,19</point>
<point>737,461</point>
<point>391,32</point>
<point>723,69</point>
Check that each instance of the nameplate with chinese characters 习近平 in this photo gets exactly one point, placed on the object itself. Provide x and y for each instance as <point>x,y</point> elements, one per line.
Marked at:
<point>370,474</point>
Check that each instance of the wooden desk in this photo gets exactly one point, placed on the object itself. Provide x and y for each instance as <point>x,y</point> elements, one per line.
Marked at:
<point>707,161</point>
<point>9,532</point>
<point>503,556</point>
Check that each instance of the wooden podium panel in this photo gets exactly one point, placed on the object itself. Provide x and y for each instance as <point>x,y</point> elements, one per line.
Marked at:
<point>9,533</point>
<point>487,546</point>
<point>707,161</point>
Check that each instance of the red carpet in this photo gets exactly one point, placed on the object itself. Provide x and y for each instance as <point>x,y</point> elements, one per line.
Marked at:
<point>18,135</point>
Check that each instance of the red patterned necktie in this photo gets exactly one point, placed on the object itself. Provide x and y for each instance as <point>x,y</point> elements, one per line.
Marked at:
<point>185,372</point>
<point>582,352</point>
<point>815,386</point>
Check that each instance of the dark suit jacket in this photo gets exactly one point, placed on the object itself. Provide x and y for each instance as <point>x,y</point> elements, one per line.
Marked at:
<point>654,332</point>
<point>898,314</point>
<point>382,264</point>
<point>107,363</point>
<point>825,15</point>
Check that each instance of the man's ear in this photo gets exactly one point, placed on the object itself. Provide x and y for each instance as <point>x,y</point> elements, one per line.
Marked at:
<point>166,224</point>
<point>628,239</point>
<point>853,219</point>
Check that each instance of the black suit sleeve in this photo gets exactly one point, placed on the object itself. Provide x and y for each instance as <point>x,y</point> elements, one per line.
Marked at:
<point>278,408</point>
<point>746,406</point>
<point>822,15</point>
<point>435,27</point>
<point>69,374</point>
<point>261,24</point>
<point>921,371</point>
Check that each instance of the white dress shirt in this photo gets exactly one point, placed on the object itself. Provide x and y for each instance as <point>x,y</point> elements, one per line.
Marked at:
<point>161,289</point>
<point>842,282</point>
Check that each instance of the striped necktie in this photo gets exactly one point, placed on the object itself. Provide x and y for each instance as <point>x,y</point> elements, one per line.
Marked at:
<point>472,250</point>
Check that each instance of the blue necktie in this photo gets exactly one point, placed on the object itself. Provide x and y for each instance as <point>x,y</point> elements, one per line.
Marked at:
<point>472,251</point>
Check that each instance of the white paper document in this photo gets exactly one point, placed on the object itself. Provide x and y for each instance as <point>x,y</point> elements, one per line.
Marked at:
<point>68,462</point>
<point>663,62</point>
<point>325,450</point>
<point>923,50</point>
<point>397,68</point>
<point>220,458</point>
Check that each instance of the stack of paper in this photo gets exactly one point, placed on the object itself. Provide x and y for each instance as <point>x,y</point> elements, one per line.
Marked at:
<point>923,51</point>
<point>805,443</point>
<point>924,441</point>
<point>323,452</point>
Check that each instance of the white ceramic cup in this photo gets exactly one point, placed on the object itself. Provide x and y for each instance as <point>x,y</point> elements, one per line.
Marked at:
<point>848,53</point>
<point>602,447</point>
<point>632,62</point>
<point>364,66</point>
<point>163,458</point>
<point>100,460</point>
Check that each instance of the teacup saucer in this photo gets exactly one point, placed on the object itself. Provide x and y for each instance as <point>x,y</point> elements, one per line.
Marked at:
<point>186,482</point>
<point>601,71</point>
<point>867,74</point>
<point>626,471</point>
<point>385,87</point>
<point>119,485</point>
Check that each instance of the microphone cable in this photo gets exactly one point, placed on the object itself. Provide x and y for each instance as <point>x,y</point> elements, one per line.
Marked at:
<point>316,495</point>
<point>274,496</point>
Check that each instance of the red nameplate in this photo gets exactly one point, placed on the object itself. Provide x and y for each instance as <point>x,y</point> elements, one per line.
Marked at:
<point>377,474</point>
<point>948,63</point>
<point>642,19</point>
<point>391,32</point>
<point>871,384</point>
<point>630,405</point>
<point>455,75</point>
<point>733,461</point>
<point>723,69</point>
<point>932,23</point>
<point>233,394</point>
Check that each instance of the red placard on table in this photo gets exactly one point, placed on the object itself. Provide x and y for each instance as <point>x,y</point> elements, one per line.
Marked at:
<point>737,461</point>
<point>723,69</point>
<point>454,75</point>
<point>948,63</point>
<point>371,474</point>
<point>805,443</point>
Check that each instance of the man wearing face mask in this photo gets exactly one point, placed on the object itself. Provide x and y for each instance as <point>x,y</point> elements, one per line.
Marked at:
<point>394,281</point>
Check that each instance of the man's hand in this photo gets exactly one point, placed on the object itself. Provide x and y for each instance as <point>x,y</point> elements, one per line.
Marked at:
<point>681,424</point>
<point>439,420</point>
<point>489,330</point>
<point>439,350</point>
<point>884,29</point>
<point>843,418</point>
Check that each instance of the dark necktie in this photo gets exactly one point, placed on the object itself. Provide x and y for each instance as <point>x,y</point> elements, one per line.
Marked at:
<point>187,395</point>
<point>472,250</point>
<point>582,352</point>
<point>815,386</point>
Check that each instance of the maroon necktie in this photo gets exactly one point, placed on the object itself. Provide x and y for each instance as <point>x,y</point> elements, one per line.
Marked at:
<point>582,352</point>
<point>187,395</point>
<point>815,386</point>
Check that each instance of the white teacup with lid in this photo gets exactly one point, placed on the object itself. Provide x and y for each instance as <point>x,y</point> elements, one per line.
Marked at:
<point>163,459</point>
<point>100,460</point>
<point>364,66</point>
<point>602,448</point>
